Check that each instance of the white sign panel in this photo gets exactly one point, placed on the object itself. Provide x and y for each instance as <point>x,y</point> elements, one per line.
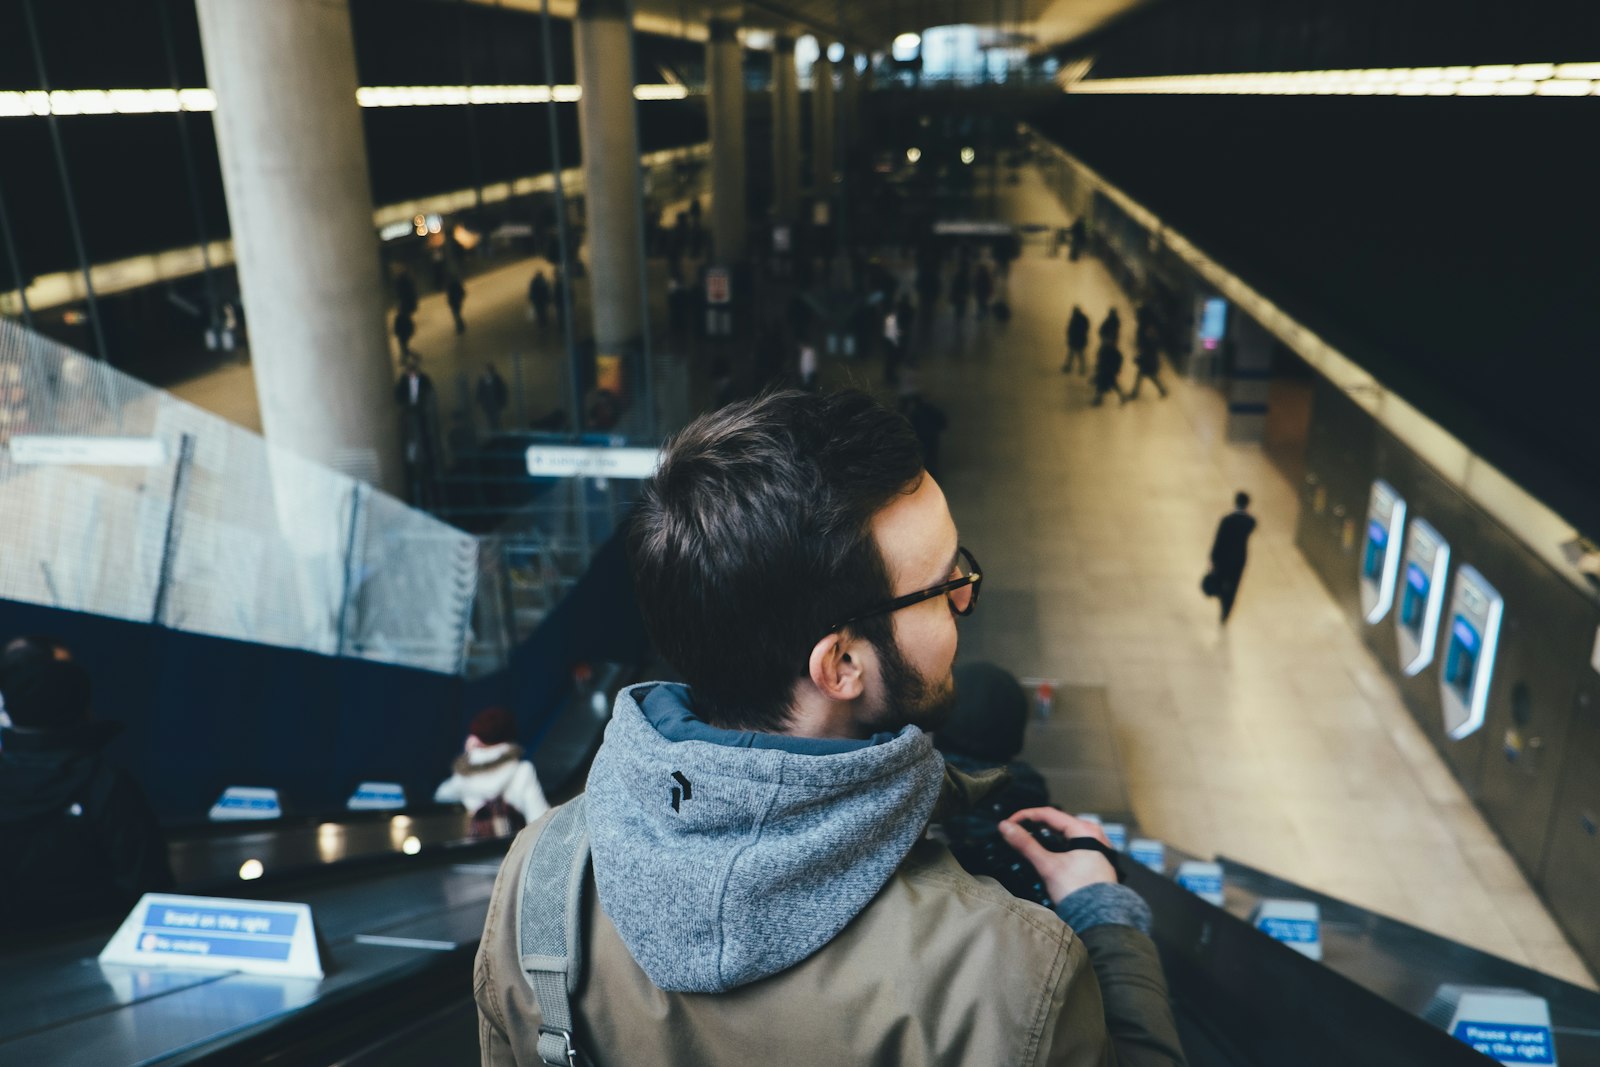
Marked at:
<point>1296,923</point>
<point>1507,1025</point>
<point>217,934</point>
<point>245,802</point>
<point>377,796</point>
<point>1151,853</point>
<point>1202,878</point>
<point>571,461</point>
<point>55,450</point>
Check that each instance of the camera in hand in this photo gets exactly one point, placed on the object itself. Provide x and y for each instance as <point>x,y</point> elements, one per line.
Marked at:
<point>988,855</point>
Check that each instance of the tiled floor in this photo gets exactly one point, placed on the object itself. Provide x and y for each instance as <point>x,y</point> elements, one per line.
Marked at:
<point>1276,740</point>
<point>498,331</point>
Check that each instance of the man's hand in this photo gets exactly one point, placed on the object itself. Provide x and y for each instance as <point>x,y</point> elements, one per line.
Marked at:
<point>1064,873</point>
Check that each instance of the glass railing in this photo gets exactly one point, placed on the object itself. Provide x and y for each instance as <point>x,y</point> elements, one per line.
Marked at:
<point>118,499</point>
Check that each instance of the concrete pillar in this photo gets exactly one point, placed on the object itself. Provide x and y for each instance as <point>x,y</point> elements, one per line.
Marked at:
<point>823,124</point>
<point>725,78</point>
<point>785,131</point>
<point>294,166</point>
<point>608,125</point>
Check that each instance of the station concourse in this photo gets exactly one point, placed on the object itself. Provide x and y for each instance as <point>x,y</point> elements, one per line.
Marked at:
<point>276,588</point>
<point>1273,739</point>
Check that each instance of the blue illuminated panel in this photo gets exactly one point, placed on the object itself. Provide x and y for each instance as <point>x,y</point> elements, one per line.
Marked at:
<point>1380,552</point>
<point>1426,563</point>
<point>1476,610</point>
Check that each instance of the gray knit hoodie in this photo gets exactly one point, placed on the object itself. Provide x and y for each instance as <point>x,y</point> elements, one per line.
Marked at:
<point>723,865</point>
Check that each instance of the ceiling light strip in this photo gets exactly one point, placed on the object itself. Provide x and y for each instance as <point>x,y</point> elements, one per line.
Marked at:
<point>1500,79</point>
<point>37,103</point>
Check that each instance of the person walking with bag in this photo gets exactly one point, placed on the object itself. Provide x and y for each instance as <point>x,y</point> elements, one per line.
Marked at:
<point>1229,551</point>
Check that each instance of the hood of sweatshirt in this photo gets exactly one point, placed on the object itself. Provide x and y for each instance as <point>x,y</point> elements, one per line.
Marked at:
<point>722,864</point>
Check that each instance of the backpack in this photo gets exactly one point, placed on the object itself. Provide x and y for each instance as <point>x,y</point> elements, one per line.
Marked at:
<point>550,928</point>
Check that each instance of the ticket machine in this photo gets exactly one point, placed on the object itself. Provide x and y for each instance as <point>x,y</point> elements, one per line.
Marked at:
<point>1423,570</point>
<point>1474,638</point>
<point>1380,554</point>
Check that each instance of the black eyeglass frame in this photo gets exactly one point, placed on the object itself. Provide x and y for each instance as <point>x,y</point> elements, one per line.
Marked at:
<point>974,578</point>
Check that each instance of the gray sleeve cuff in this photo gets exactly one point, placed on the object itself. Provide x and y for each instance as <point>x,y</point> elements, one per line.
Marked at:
<point>1105,904</point>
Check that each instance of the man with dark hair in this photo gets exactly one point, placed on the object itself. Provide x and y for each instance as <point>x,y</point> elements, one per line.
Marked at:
<point>762,887</point>
<point>77,837</point>
<point>1228,551</point>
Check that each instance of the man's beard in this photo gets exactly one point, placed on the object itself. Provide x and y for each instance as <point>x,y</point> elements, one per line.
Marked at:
<point>909,699</point>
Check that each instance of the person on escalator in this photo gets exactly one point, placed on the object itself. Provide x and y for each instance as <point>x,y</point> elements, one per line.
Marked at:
<point>77,836</point>
<point>759,884</point>
<point>985,733</point>
<point>491,780</point>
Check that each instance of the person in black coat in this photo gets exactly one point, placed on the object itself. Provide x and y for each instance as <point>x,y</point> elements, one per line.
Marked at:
<point>1107,371</point>
<point>1229,551</point>
<point>405,292</point>
<point>455,294</point>
<point>492,396</point>
<point>1111,327</point>
<point>1077,341</point>
<point>539,298</point>
<point>77,836</point>
<point>405,328</point>
<point>1147,359</point>
<point>419,431</point>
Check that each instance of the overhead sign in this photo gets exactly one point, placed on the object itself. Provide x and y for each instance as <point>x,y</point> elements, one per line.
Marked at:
<point>74,451</point>
<point>572,461</point>
<point>972,228</point>
<point>217,934</point>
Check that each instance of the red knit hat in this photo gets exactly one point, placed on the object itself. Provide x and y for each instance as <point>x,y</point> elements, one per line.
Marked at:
<point>493,726</point>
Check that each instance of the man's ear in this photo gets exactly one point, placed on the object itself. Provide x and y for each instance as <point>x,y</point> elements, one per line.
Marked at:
<point>839,665</point>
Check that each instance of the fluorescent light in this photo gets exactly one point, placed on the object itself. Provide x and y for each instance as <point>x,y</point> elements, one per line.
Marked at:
<point>67,102</point>
<point>1495,79</point>
<point>660,92</point>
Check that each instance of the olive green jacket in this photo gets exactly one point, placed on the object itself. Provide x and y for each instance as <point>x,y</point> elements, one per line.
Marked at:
<point>940,968</point>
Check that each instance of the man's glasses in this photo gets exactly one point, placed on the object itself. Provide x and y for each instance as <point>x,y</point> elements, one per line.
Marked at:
<point>961,591</point>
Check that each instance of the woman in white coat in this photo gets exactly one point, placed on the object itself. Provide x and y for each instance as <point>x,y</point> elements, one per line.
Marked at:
<point>491,780</point>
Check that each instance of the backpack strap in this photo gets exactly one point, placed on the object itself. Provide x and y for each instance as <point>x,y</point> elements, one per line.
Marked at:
<point>550,927</point>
